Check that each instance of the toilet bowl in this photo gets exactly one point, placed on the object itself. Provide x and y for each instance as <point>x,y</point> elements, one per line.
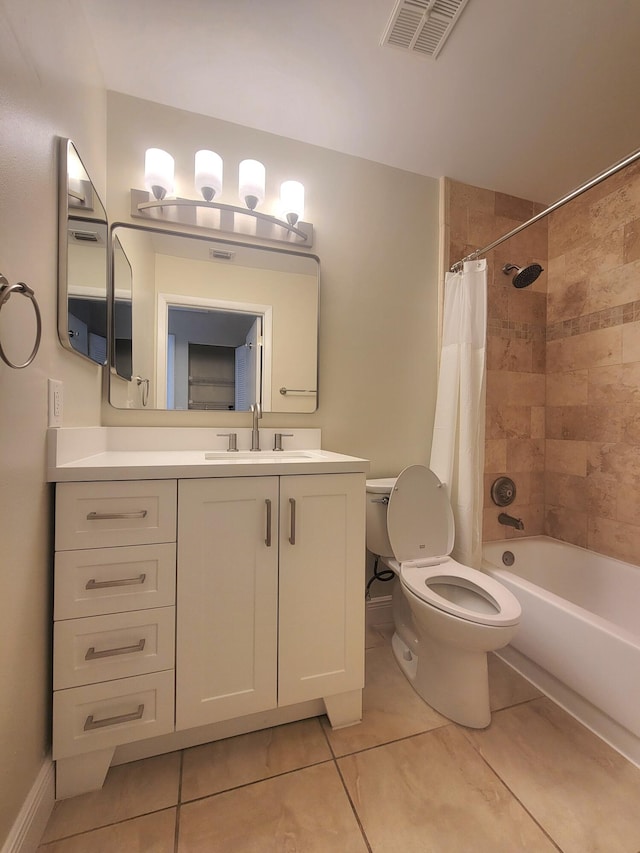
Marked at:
<point>447,616</point>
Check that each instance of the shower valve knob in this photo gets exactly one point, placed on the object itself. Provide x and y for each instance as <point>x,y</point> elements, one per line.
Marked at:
<point>503,491</point>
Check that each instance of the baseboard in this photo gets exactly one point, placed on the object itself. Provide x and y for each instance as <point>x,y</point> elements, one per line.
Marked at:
<point>379,611</point>
<point>32,819</point>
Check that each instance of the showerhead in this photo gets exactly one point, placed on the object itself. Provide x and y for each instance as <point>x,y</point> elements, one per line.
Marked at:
<point>524,275</point>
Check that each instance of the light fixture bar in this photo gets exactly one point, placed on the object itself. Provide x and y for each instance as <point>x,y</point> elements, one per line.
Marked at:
<point>268,227</point>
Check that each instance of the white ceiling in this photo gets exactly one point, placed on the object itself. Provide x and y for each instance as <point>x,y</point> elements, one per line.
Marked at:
<point>529,97</point>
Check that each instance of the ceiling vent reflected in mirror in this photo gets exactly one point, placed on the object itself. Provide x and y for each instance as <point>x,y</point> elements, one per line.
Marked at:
<point>422,26</point>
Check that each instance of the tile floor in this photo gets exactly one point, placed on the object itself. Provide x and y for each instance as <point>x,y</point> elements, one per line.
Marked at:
<point>404,781</point>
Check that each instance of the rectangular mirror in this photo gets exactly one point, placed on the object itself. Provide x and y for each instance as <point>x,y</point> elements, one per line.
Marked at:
<point>82,260</point>
<point>212,324</point>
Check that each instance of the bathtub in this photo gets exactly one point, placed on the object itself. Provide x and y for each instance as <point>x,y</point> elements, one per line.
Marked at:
<point>579,636</point>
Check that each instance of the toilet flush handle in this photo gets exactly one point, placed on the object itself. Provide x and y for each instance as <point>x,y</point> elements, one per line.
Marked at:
<point>384,500</point>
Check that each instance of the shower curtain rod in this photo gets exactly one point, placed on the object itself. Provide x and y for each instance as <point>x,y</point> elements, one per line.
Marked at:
<point>569,197</point>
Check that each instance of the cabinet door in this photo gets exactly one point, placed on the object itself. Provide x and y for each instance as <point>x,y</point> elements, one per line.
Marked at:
<point>322,551</point>
<point>226,658</point>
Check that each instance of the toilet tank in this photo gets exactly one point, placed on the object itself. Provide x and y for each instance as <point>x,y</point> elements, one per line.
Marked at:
<point>377,538</point>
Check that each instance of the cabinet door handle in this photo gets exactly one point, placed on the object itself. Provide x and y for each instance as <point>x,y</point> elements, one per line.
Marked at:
<point>267,540</point>
<point>292,535</point>
<point>91,724</point>
<point>92,654</point>
<point>100,516</point>
<point>94,584</point>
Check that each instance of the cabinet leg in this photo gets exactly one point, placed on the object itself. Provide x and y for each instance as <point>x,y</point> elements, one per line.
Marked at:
<point>82,773</point>
<point>344,709</point>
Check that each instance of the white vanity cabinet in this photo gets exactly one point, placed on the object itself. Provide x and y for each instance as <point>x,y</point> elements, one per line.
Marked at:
<point>114,623</point>
<point>195,600</point>
<point>270,596</point>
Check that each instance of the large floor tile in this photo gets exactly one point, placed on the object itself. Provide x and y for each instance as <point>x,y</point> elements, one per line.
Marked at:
<point>236,761</point>
<point>391,708</point>
<point>306,811</point>
<point>153,833</point>
<point>580,790</point>
<point>433,793</point>
<point>506,686</point>
<point>129,790</point>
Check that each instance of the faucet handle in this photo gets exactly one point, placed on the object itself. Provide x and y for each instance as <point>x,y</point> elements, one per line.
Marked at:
<point>233,441</point>
<point>277,439</point>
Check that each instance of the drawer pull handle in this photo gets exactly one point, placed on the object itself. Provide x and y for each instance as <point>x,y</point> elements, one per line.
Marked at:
<point>91,724</point>
<point>292,536</point>
<point>101,516</point>
<point>267,540</point>
<point>94,584</point>
<point>92,654</point>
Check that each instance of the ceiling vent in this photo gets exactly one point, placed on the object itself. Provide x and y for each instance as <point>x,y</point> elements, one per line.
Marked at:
<point>422,26</point>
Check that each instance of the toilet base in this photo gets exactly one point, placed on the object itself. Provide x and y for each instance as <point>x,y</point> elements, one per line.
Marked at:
<point>452,681</point>
<point>405,658</point>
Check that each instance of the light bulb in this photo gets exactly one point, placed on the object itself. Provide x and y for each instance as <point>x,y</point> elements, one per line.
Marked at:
<point>208,174</point>
<point>158,172</point>
<point>251,183</point>
<point>292,201</point>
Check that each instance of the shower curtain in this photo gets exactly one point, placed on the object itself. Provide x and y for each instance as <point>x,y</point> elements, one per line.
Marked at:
<point>457,452</point>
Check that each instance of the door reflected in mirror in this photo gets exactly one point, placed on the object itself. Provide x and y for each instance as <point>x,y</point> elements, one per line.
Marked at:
<point>215,325</point>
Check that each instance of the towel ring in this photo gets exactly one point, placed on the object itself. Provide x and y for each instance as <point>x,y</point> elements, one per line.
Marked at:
<point>6,290</point>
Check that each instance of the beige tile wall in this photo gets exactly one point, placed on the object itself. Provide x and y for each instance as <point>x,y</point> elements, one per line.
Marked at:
<point>515,424</point>
<point>593,369</point>
<point>563,361</point>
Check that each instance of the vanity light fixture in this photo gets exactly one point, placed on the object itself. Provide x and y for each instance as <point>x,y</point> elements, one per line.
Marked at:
<point>158,203</point>
<point>208,174</point>
<point>251,180</point>
<point>158,172</point>
<point>292,201</point>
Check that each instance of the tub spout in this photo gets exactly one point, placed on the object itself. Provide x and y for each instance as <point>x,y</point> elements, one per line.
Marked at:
<point>510,521</point>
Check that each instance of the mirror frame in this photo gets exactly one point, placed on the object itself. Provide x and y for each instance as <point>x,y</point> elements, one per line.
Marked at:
<point>207,238</point>
<point>64,216</point>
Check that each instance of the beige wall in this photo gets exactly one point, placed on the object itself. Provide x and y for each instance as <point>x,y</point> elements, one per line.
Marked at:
<point>376,236</point>
<point>40,97</point>
<point>593,369</point>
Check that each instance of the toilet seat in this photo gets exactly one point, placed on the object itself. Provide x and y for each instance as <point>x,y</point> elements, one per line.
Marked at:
<point>462,592</point>
<point>421,530</point>
<point>419,516</point>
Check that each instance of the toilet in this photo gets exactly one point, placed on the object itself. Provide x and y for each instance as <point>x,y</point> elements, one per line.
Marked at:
<point>446,616</point>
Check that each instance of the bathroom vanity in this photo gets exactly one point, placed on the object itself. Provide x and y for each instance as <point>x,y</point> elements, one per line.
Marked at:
<point>199,593</point>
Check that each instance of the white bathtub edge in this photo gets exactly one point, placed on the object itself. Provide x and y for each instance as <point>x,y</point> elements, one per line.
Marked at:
<point>619,738</point>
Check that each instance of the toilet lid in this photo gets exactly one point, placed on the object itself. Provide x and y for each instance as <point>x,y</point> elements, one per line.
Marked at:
<point>419,517</point>
<point>463,592</point>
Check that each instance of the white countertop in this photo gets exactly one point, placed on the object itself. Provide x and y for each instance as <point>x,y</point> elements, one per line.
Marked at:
<point>141,453</point>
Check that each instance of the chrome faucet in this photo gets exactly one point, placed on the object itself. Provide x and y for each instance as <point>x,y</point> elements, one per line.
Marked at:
<point>510,521</point>
<point>256,410</point>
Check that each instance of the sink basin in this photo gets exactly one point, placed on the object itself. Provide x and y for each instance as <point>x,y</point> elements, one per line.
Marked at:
<point>257,455</point>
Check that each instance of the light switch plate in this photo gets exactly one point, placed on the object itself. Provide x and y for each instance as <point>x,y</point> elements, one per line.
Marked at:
<point>55,402</point>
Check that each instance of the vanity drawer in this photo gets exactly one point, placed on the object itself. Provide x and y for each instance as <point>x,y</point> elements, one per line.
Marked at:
<point>99,515</point>
<point>96,581</point>
<point>103,648</point>
<point>100,716</point>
